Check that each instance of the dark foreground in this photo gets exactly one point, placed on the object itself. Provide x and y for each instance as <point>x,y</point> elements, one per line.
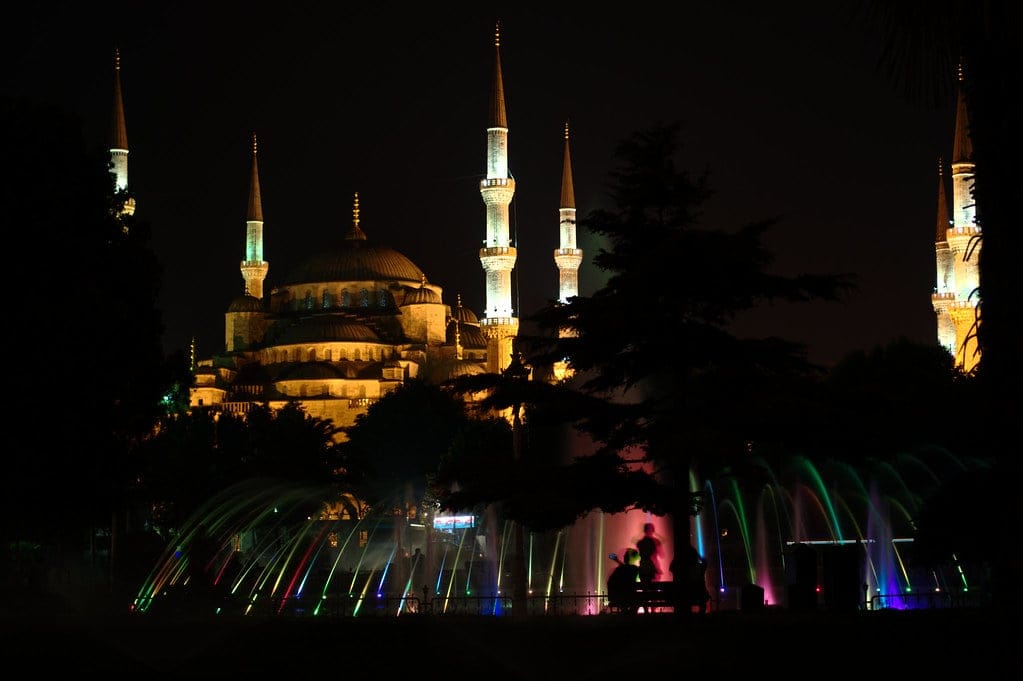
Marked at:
<point>608,647</point>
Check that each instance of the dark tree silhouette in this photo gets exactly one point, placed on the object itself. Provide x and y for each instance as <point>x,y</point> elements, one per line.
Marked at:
<point>525,463</point>
<point>656,337</point>
<point>288,443</point>
<point>85,344</point>
<point>395,448</point>
<point>198,455</point>
<point>882,403</point>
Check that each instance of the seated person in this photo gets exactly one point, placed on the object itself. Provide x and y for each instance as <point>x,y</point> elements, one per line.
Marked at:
<point>688,568</point>
<point>621,583</point>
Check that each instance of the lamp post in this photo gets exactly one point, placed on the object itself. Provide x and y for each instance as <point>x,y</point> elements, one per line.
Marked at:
<point>518,372</point>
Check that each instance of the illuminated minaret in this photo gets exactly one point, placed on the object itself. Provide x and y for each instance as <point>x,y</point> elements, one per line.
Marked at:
<point>498,255</point>
<point>567,257</point>
<point>957,293</point>
<point>253,267</point>
<point>119,139</point>
<point>944,290</point>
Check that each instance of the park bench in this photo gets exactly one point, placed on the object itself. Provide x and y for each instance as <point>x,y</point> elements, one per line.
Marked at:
<point>664,597</point>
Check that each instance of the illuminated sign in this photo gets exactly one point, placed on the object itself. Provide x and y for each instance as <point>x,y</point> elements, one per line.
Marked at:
<point>453,522</point>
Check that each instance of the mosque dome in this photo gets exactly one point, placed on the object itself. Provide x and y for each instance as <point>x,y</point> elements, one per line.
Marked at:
<point>325,329</point>
<point>421,295</point>
<point>356,260</point>
<point>246,303</point>
<point>465,316</point>
<point>454,368</point>
<point>469,335</point>
<point>313,371</point>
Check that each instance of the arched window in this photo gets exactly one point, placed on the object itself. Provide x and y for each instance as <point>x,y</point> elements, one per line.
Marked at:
<point>364,298</point>
<point>308,302</point>
<point>325,303</point>
<point>346,298</point>
<point>383,298</point>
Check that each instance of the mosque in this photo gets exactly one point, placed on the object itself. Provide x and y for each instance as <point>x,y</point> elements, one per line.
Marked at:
<point>349,325</point>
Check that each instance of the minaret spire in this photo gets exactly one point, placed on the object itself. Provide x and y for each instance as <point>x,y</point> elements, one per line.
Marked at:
<point>253,267</point>
<point>943,297</point>
<point>119,138</point>
<point>498,256</point>
<point>458,328</point>
<point>941,228</point>
<point>355,233</point>
<point>962,147</point>
<point>498,116</point>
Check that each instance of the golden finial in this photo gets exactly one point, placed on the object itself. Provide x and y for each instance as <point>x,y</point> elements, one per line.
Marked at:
<point>566,129</point>
<point>255,144</point>
<point>117,59</point>
<point>959,70</point>
<point>423,281</point>
<point>355,211</point>
<point>941,164</point>
<point>497,34</point>
<point>459,299</point>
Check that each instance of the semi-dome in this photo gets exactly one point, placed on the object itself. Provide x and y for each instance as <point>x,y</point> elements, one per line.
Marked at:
<point>451,369</point>
<point>465,316</point>
<point>313,371</point>
<point>469,335</point>
<point>356,260</point>
<point>325,329</point>
<point>246,303</point>
<point>421,295</point>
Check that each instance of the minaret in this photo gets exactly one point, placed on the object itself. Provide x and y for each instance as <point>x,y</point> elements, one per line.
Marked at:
<point>119,139</point>
<point>964,241</point>
<point>253,267</point>
<point>567,257</point>
<point>944,295</point>
<point>498,255</point>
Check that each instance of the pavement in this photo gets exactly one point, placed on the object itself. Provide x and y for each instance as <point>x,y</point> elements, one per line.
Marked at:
<point>537,647</point>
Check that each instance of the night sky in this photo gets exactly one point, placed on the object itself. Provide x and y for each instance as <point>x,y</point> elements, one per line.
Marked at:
<point>781,102</point>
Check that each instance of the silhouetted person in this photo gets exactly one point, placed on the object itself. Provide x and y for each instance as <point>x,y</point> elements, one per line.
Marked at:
<point>649,555</point>
<point>688,569</point>
<point>622,582</point>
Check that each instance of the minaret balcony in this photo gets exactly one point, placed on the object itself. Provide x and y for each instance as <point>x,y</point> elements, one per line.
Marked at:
<point>968,231</point>
<point>489,182</point>
<point>498,258</point>
<point>495,324</point>
<point>497,194</point>
<point>568,258</point>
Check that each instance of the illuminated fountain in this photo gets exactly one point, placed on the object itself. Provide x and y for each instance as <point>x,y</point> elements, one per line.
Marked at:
<point>277,549</point>
<point>855,527</point>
